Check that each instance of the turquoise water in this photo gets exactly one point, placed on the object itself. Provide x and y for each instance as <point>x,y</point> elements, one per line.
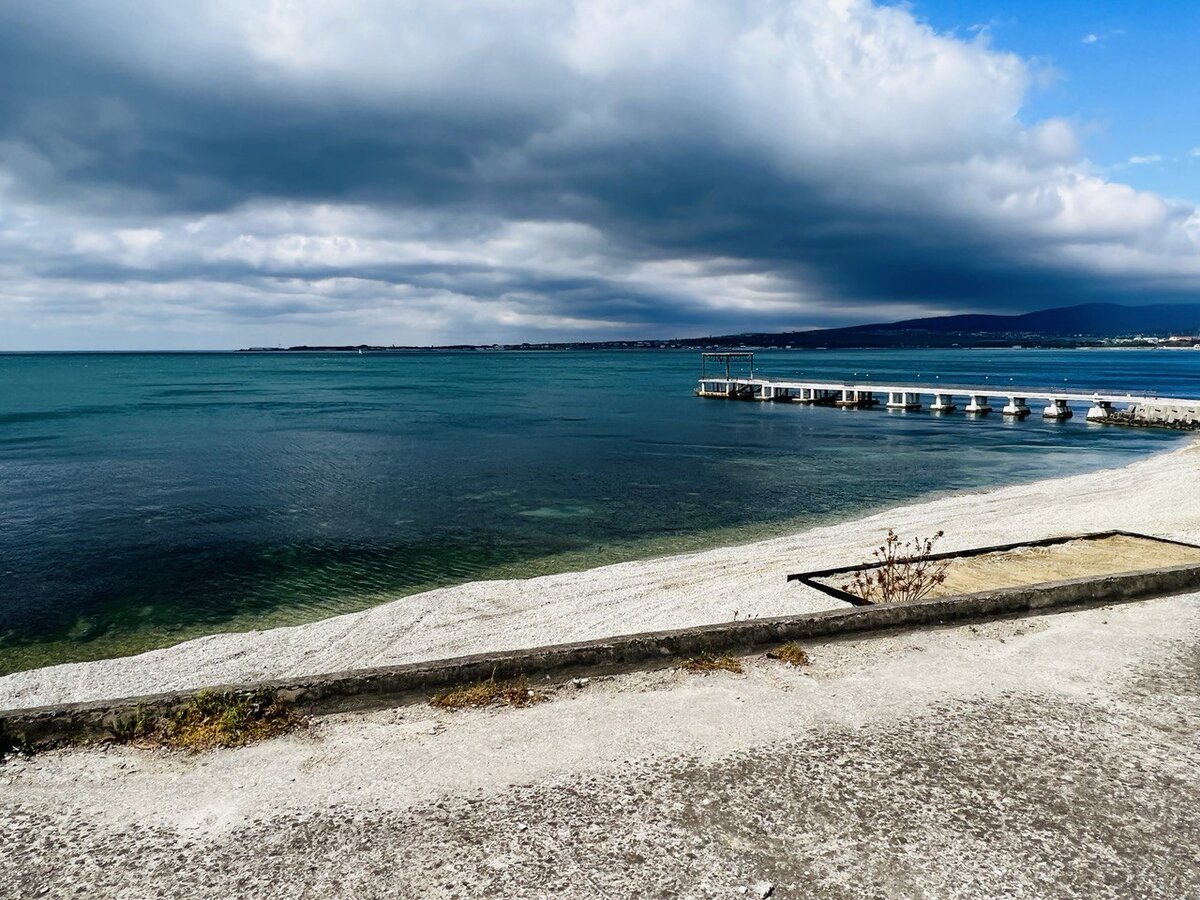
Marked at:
<point>148,498</point>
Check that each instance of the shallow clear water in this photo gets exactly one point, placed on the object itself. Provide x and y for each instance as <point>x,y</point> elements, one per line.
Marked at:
<point>148,498</point>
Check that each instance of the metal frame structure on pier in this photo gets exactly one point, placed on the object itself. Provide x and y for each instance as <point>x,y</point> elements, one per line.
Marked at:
<point>727,359</point>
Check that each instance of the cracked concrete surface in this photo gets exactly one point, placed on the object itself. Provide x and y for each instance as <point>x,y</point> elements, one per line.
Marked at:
<point>1051,756</point>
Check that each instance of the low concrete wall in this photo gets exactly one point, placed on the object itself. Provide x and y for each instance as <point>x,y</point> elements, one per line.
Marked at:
<point>48,726</point>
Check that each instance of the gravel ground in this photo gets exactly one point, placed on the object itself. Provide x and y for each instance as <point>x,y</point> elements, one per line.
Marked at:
<point>1045,757</point>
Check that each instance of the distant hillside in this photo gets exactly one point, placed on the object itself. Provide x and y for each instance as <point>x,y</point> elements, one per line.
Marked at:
<point>1071,324</point>
<point>1090,323</point>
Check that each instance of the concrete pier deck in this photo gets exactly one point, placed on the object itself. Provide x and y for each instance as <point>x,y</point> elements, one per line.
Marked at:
<point>1130,408</point>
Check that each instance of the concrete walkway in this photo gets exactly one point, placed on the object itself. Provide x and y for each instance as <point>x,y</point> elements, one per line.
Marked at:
<point>1043,757</point>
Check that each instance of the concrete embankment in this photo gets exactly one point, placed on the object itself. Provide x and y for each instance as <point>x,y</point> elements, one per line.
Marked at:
<point>44,727</point>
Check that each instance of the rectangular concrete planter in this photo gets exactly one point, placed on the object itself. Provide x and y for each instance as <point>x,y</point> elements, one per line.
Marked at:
<point>813,579</point>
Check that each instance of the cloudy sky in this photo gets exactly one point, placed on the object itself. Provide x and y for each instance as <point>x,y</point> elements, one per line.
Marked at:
<point>222,174</point>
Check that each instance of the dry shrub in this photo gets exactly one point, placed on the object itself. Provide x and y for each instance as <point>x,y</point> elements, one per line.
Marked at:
<point>211,719</point>
<point>488,693</point>
<point>903,572</point>
<point>707,662</point>
<point>792,654</point>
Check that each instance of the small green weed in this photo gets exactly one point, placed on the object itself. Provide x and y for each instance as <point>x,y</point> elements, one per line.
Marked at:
<point>208,720</point>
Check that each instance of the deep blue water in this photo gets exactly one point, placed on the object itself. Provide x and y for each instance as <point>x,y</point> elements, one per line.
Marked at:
<point>147,498</point>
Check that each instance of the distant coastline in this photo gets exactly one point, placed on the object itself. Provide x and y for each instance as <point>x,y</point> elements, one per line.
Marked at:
<point>1175,326</point>
<point>1028,344</point>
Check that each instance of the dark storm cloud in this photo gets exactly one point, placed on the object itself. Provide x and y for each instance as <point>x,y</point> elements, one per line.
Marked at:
<point>736,182</point>
<point>115,135</point>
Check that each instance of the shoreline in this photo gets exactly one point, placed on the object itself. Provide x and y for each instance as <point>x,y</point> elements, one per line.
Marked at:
<point>1158,495</point>
<point>125,642</point>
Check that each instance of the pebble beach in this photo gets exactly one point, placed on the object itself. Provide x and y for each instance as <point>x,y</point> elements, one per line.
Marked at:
<point>1159,495</point>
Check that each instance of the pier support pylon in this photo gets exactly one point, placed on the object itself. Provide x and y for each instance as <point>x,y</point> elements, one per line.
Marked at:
<point>853,398</point>
<point>979,405</point>
<point>1057,409</point>
<point>1016,407</point>
<point>848,400</point>
<point>1100,411</point>
<point>942,403</point>
<point>903,400</point>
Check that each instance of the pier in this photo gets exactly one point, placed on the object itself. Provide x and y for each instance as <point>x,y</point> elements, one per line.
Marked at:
<point>1013,402</point>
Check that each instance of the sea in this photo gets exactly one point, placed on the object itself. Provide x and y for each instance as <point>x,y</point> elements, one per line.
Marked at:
<point>148,498</point>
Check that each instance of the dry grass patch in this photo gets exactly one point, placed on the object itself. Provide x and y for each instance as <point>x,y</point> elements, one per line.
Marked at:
<point>516,692</point>
<point>209,720</point>
<point>707,662</point>
<point>791,653</point>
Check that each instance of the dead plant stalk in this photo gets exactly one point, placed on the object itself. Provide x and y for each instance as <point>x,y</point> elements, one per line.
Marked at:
<point>903,572</point>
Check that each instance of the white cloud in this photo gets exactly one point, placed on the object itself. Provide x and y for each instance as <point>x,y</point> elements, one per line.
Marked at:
<point>873,119</point>
<point>1100,38</point>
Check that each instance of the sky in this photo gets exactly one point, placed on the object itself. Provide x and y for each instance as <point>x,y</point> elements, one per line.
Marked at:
<point>222,174</point>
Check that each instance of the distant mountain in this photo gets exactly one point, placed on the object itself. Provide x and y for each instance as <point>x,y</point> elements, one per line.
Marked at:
<point>1067,325</point>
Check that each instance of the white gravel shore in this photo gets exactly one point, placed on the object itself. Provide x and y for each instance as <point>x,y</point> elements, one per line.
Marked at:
<point>1159,495</point>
